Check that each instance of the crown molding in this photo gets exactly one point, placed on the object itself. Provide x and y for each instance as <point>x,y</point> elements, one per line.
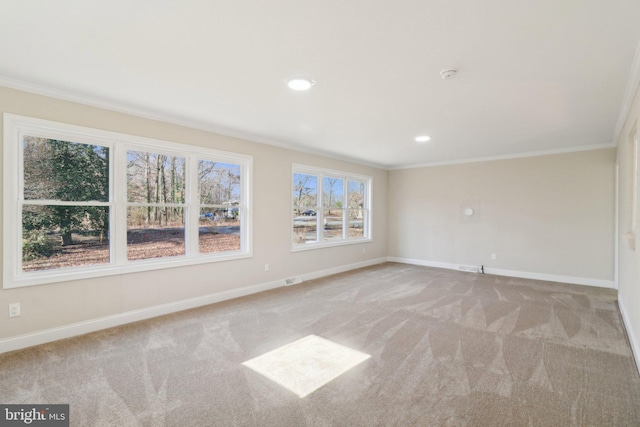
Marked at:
<point>97,102</point>
<point>509,156</point>
<point>149,114</point>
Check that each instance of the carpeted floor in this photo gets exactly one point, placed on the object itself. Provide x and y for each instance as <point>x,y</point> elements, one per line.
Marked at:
<point>447,348</point>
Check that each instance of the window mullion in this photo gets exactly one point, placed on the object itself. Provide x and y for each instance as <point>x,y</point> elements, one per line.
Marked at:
<point>345,207</point>
<point>119,210</point>
<point>192,209</point>
<point>13,217</point>
<point>157,205</point>
<point>245,220</point>
<point>46,202</point>
<point>320,209</point>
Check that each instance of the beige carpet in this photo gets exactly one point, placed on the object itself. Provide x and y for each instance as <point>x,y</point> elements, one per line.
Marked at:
<point>447,348</point>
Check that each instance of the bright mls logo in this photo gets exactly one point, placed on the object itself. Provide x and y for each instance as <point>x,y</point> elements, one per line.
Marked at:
<point>35,415</point>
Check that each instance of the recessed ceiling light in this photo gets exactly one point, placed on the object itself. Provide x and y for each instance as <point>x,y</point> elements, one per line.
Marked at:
<point>423,138</point>
<point>300,84</point>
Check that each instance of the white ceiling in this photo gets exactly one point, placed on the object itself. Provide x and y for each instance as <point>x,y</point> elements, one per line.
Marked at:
<point>534,76</point>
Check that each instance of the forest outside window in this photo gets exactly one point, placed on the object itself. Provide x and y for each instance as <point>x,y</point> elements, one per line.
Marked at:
<point>65,204</point>
<point>329,208</point>
<point>155,205</point>
<point>220,194</point>
<point>82,202</point>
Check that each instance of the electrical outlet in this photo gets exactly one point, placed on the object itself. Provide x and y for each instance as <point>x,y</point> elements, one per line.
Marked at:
<point>493,256</point>
<point>266,267</point>
<point>364,251</point>
<point>14,309</point>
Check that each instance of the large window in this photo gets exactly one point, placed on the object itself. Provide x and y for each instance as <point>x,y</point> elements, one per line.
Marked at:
<point>82,202</point>
<point>329,208</point>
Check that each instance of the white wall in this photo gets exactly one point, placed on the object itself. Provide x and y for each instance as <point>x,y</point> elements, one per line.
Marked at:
<point>629,260</point>
<point>548,216</point>
<point>56,305</point>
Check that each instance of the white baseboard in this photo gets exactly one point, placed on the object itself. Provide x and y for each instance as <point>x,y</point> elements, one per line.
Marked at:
<point>514,273</point>
<point>633,338</point>
<point>80,328</point>
<point>585,281</point>
<point>342,269</point>
<point>423,262</point>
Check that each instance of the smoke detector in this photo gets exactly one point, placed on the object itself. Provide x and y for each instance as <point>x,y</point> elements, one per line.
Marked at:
<point>448,74</point>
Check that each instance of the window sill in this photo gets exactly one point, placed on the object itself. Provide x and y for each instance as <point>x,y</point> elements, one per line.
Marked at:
<point>55,276</point>
<point>330,244</point>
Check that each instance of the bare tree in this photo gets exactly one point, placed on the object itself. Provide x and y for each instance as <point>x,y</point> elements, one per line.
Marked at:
<point>302,189</point>
<point>147,175</point>
<point>332,182</point>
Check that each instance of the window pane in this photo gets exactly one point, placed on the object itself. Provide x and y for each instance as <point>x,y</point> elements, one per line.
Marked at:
<point>357,213</point>
<point>333,200</point>
<point>356,194</point>
<point>333,197</point>
<point>305,228</point>
<point>155,178</point>
<point>356,222</point>
<point>63,170</point>
<point>333,224</point>
<point>154,232</point>
<point>305,192</point>
<point>219,230</point>
<point>219,183</point>
<point>64,236</point>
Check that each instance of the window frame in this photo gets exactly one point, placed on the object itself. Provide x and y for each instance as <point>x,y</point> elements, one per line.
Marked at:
<point>321,174</point>
<point>17,126</point>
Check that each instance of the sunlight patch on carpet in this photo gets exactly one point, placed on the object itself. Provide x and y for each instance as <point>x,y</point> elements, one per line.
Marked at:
<point>307,364</point>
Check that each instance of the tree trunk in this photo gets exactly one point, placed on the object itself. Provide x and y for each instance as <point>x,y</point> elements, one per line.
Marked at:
<point>147,176</point>
<point>67,239</point>
<point>173,187</point>
<point>164,190</point>
<point>65,227</point>
<point>157,216</point>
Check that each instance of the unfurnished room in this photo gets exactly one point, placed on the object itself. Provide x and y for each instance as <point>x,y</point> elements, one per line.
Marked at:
<point>320,213</point>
